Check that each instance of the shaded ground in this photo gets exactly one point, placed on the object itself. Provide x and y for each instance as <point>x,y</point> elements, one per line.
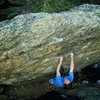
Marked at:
<point>54,95</point>
<point>83,92</point>
<point>86,92</point>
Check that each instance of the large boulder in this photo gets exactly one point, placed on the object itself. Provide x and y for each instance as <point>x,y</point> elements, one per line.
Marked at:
<point>31,44</point>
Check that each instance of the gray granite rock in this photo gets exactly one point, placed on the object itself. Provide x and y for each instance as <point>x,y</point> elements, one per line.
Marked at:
<point>31,44</point>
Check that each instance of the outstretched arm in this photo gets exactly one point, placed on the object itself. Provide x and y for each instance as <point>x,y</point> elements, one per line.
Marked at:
<point>59,66</point>
<point>72,62</point>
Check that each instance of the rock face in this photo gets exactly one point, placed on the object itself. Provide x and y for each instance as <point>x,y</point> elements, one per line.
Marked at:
<point>31,44</point>
<point>86,92</point>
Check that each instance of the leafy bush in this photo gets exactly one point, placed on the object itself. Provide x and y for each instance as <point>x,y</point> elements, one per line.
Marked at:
<point>52,5</point>
<point>1,2</point>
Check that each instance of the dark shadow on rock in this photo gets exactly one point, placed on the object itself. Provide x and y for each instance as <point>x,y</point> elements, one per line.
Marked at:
<point>54,95</point>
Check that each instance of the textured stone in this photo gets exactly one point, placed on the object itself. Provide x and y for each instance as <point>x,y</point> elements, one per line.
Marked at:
<point>87,92</point>
<point>31,44</point>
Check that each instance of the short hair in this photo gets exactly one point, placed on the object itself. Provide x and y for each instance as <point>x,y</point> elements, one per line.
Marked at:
<point>68,86</point>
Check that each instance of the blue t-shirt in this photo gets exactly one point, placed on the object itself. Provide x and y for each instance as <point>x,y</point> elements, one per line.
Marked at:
<point>59,80</point>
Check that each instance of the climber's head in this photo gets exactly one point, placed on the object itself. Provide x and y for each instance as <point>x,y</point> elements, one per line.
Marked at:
<point>66,81</point>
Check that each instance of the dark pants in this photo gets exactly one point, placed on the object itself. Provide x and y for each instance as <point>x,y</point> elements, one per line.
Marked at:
<point>98,73</point>
<point>61,70</point>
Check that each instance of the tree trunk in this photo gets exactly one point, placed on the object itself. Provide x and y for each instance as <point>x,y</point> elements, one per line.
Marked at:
<point>45,5</point>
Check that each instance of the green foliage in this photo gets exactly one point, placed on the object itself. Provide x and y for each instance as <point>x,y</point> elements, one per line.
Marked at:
<point>98,15</point>
<point>1,2</point>
<point>57,5</point>
<point>52,5</point>
<point>12,15</point>
<point>28,0</point>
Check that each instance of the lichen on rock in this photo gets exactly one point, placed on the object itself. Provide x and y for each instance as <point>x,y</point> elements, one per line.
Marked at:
<point>31,44</point>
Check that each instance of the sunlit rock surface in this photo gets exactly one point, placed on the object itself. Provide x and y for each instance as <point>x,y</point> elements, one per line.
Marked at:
<point>31,44</point>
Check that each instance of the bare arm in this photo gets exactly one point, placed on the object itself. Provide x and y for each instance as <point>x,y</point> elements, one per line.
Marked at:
<point>72,63</point>
<point>59,66</point>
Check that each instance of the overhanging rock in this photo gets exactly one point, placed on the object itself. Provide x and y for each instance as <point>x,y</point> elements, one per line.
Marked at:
<point>31,44</point>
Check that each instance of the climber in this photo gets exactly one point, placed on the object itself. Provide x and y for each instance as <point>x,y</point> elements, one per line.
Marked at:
<point>62,81</point>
